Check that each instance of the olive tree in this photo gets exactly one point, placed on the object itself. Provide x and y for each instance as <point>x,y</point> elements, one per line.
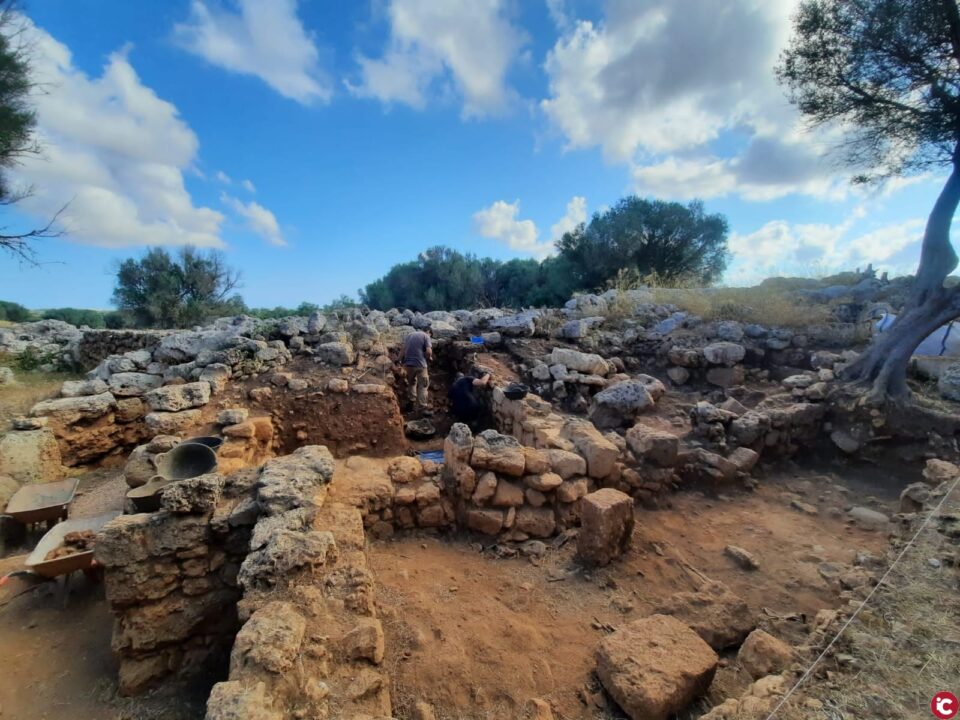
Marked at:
<point>887,73</point>
<point>17,128</point>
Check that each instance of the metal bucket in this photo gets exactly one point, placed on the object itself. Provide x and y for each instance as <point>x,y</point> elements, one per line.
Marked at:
<point>210,441</point>
<point>146,498</point>
<point>186,460</point>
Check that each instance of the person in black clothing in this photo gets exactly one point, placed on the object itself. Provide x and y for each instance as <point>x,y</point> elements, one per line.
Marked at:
<point>464,403</point>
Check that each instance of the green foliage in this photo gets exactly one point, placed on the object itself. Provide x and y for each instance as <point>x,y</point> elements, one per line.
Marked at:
<point>76,316</point>
<point>17,118</point>
<point>444,279</point>
<point>652,236</point>
<point>161,291</point>
<point>14,312</point>
<point>640,237</point>
<point>32,359</point>
<point>886,72</point>
<point>343,302</point>
<point>303,309</point>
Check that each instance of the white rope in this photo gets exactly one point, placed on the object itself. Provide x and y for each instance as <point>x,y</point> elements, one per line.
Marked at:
<point>856,612</point>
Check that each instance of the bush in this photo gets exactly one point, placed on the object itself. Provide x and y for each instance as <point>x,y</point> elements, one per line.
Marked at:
<point>75,316</point>
<point>14,312</point>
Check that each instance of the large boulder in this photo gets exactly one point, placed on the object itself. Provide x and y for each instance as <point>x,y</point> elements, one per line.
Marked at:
<point>79,388</point>
<point>133,384</point>
<point>619,404</point>
<point>30,456</point>
<point>519,325</point>
<point>292,481</point>
<point>586,304</point>
<point>606,526</point>
<point>762,654</point>
<point>270,640</point>
<point>499,453</point>
<point>336,353</point>
<point>588,363</point>
<point>655,446</point>
<point>655,667</point>
<point>71,410</point>
<point>172,423</point>
<point>174,398</point>
<point>599,452</point>
<point>235,700</point>
<point>724,353</point>
<point>721,618</point>
<point>949,382</point>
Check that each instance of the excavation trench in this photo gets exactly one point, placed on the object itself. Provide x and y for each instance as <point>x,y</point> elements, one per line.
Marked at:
<point>477,624</point>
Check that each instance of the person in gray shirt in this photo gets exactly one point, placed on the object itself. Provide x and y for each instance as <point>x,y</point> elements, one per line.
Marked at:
<point>417,354</point>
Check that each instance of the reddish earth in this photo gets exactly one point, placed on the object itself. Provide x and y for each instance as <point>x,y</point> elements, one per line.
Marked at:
<point>480,637</point>
<point>466,630</point>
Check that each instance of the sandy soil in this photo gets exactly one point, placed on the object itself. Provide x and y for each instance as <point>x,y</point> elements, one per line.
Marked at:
<point>480,637</point>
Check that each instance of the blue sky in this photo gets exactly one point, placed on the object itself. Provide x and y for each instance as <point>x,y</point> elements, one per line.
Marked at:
<point>317,143</point>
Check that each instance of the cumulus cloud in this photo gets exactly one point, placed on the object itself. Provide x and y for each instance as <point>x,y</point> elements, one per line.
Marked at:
<point>500,222</point>
<point>114,152</point>
<point>684,92</point>
<point>263,39</point>
<point>471,43</point>
<point>222,177</point>
<point>783,248</point>
<point>258,219</point>
<point>248,186</point>
<point>576,214</point>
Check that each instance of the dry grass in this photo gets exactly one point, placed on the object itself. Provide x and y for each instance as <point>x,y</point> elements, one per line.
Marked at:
<point>29,389</point>
<point>902,649</point>
<point>761,305</point>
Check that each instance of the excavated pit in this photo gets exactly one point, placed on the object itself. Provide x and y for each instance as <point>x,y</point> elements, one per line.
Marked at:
<point>479,625</point>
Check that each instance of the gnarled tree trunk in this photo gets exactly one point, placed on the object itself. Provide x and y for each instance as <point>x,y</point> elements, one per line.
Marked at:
<point>930,305</point>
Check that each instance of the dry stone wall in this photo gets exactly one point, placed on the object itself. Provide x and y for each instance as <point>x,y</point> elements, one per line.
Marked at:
<point>171,578</point>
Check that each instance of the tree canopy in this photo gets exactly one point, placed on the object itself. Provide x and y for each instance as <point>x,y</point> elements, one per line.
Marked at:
<point>643,237</point>
<point>887,74</point>
<point>162,291</point>
<point>887,71</point>
<point>444,279</point>
<point>653,237</point>
<point>17,129</point>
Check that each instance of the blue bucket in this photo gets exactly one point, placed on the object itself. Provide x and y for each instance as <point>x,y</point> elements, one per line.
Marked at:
<point>433,455</point>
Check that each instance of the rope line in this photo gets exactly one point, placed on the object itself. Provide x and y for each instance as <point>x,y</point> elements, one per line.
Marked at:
<point>856,612</point>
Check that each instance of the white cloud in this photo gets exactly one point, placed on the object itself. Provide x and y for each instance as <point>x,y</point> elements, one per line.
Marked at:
<point>248,186</point>
<point>469,42</point>
<point>684,92</point>
<point>781,248</point>
<point>114,151</point>
<point>264,39</point>
<point>576,214</point>
<point>222,177</point>
<point>259,220</point>
<point>499,222</point>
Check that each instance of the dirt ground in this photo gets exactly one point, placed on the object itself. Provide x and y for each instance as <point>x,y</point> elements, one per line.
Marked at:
<point>479,637</point>
<point>57,659</point>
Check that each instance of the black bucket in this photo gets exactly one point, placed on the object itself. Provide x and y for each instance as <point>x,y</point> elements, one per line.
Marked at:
<point>146,498</point>
<point>210,441</point>
<point>186,460</point>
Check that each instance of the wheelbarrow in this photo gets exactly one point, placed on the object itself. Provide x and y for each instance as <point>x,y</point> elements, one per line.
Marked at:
<point>43,502</point>
<point>40,570</point>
